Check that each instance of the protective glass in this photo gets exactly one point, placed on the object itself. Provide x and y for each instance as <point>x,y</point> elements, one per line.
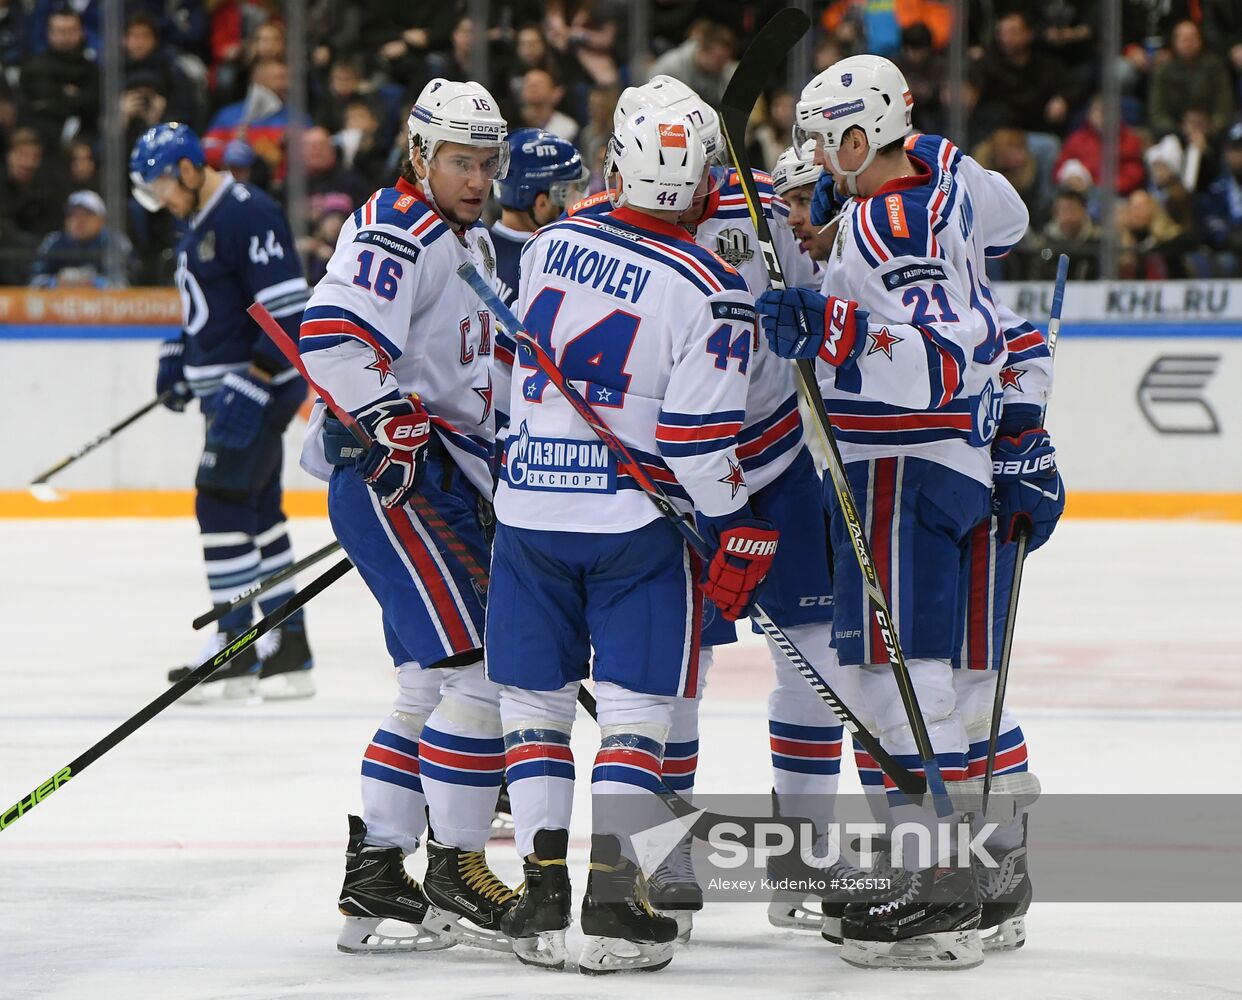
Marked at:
<point>152,194</point>
<point>562,193</point>
<point>490,161</point>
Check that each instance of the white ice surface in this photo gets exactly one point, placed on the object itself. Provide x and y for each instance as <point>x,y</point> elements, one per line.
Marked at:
<point>202,857</point>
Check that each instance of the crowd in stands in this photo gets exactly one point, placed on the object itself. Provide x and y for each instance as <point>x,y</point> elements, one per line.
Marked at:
<point>1032,105</point>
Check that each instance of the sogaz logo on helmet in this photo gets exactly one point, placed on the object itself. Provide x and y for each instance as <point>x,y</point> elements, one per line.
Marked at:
<point>841,110</point>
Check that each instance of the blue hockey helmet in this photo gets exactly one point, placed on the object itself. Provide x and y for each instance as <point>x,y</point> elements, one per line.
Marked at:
<point>540,161</point>
<point>157,152</point>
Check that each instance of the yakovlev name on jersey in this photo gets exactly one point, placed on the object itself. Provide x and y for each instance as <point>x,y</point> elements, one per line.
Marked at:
<point>533,463</point>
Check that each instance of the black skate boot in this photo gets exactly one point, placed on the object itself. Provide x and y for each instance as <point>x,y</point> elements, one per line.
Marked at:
<point>623,931</point>
<point>286,663</point>
<point>536,924</point>
<point>377,888</point>
<point>467,899</point>
<point>929,921</point>
<point>673,889</point>
<point>502,822</point>
<point>1006,894</point>
<point>236,681</point>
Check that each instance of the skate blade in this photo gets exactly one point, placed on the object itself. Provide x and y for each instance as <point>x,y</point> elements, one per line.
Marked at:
<point>945,950</point>
<point>793,913</point>
<point>545,950</point>
<point>831,930</point>
<point>1009,935</point>
<point>287,686</point>
<point>502,828</point>
<point>460,930</point>
<point>360,936</point>
<point>602,956</point>
<point>233,691</point>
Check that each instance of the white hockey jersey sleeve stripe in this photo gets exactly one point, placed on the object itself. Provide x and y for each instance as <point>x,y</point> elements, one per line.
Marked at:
<point>680,434</point>
<point>329,326</point>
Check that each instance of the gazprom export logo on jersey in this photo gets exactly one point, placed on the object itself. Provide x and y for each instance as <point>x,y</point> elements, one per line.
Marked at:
<point>558,465</point>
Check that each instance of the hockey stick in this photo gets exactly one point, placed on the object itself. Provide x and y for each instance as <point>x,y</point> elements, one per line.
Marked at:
<point>196,676</point>
<point>424,510</point>
<point>1024,537</point>
<point>909,783</point>
<point>765,52</point>
<point>39,487</point>
<point>261,587</point>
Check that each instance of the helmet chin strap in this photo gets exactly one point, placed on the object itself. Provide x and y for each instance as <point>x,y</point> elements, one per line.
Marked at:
<point>851,176</point>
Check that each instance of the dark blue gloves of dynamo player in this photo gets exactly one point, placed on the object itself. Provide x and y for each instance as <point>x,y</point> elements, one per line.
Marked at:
<point>801,323</point>
<point>170,376</point>
<point>400,430</point>
<point>1027,491</point>
<point>245,402</point>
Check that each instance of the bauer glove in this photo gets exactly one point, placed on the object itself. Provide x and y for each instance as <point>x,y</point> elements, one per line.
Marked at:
<point>1027,490</point>
<point>400,430</point>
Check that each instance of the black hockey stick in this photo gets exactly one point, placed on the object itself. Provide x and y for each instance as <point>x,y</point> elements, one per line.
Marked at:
<point>261,587</point>
<point>765,52</point>
<point>535,355</point>
<point>195,677</point>
<point>1024,537</point>
<point>39,487</point>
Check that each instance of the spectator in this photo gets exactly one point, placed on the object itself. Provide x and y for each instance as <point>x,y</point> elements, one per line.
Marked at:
<point>1203,149</point>
<point>1018,84</point>
<point>361,143</point>
<point>771,132</point>
<point>76,254</point>
<point>1222,27</point>
<point>144,58</point>
<point>12,37</point>
<point>244,165</point>
<point>60,88</point>
<point>325,174</point>
<point>1222,208</point>
<point>1165,162</point>
<point>261,119</point>
<point>530,51</point>
<point>1152,245</point>
<point>540,96</point>
<point>30,199</point>
<point>876,26</point>
<point>925,73</point>
<point>1072,232</point>
<point>83,168</point>
<point>593,138</point>
<point>142,104</point>
<point>244,49</point>
<point>1193,78</point>
<point>578,31</point>
<point>1008,152</point>
<point>1086,145</point>
<point>345,80</point>
<point>454,63</point>
<point>704,61</point>
<point>317,248</point>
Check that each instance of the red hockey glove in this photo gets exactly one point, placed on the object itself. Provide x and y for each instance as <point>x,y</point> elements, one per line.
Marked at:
<point>743,559</point>
<point>392,467</point>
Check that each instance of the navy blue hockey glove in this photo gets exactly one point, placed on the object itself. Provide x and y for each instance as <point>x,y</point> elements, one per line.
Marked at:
<point>1027,489</point>
<point>170,376</point>
<point>825,202</point>
<point>801,323</point>
<point>745,554</point>
<point>238,409</point>
<point>392,467</point>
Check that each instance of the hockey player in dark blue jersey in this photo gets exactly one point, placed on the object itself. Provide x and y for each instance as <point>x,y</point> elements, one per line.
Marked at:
<point>237,249</point>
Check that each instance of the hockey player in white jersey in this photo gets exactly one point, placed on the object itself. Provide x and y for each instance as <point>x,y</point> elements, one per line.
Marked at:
<point>395,339</point>
<point>656,332</point>
<point>910,350</point>
<point>804,735</point>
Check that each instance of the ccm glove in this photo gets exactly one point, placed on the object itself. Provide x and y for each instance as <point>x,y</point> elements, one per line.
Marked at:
<point>739,565</point>
<point>170,376</point>
<point>400,430</point>
<point>800,323</point>
<point>1027,490</point>
<point>826,202</point>
<point>237,410</point>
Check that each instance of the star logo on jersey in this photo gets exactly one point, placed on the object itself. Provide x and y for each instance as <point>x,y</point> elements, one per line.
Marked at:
<point>603,395</point>
<point>735,480</point>
<point>382,364</point>
<point>1011,378</point>
<point>882,342</point>
<point>485,394</point>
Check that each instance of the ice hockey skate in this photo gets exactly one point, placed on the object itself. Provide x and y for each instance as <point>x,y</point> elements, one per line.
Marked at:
<point>1006,895</point>
<point>536,924</point>
<point>378,888</point>
<point>673,889</point>
<point>467,900</point>
<point>237,681</point>
<point>929,921</point>
<point>502,822</point>
<point>286,664</point>
<point>623,932</point>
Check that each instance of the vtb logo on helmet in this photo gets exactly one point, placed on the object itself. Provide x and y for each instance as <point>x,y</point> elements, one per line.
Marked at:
<point>541,162</point>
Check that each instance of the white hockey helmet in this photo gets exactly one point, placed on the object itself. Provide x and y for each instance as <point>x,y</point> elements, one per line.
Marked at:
<point>658,158</point>
<point>794,171</point>
<point>665,92</point>
<point>448,111</point>
<point>868,92</point>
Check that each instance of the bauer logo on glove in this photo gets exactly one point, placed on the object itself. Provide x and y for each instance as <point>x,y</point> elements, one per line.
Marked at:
<point>393,465</point>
